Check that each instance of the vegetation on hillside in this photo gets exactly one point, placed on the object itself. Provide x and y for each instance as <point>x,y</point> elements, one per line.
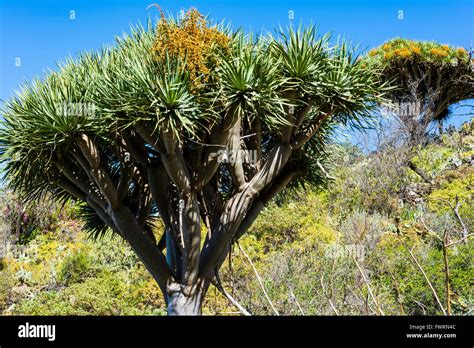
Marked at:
<point>377,241</point>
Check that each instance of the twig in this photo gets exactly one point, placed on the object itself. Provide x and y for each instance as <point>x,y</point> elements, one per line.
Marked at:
<point>446,273</point>
<point>455,209</point>
<point>325,295</point>
<point>421,269</point>
<point>368,286</point>
<point>397,288</point>
<point>258,278</point>
<point>423,307</point>
<point>465,231</point>
<point>296,301</point>
<point>429,230</point>
<point>460,240</point>
<point>427,280</point>
<point>232,300</point>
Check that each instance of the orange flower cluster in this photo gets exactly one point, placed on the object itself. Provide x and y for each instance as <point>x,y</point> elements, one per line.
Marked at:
<point>405,50</point>
<point>415,49</point>
<point>402,52</point>
<point>439,52</point>
<point>461,51</point>
<point>401,49</point>
<point>192,41</point>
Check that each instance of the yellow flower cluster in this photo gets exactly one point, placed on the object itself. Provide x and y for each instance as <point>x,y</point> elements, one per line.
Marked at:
<point>192,41</point>
<point>415,49</point>
<point>461,51</point>
<point>409,49</point>
<point>403,52</point>
<point>439,52</point>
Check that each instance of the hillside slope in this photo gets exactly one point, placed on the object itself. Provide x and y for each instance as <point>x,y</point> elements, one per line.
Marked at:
<point>374,242</point>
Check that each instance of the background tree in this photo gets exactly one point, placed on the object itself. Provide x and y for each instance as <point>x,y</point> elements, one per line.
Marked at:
<point>430,78</point>
<point>136,132</point>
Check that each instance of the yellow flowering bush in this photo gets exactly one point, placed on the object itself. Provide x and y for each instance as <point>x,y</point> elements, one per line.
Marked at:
<point>401,49</point>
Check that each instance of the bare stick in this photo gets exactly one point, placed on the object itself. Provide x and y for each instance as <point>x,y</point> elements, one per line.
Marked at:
<point>232,300</point>
<point>427,280</point>
<point>258,278</point>
<point>327,297</point>
<point>293,296</point>
<point>446,273</point>
<point>465,231</point>
<point>455,209</point>
<point>460,240</point>
<point>368,286</point>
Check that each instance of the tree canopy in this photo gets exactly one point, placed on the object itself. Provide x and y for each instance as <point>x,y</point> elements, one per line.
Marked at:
<point>430,77</point>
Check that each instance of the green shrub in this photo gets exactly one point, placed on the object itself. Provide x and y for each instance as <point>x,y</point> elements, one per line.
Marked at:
<point>6,284</point>
<point>105,294</point>
<point>75,268</point>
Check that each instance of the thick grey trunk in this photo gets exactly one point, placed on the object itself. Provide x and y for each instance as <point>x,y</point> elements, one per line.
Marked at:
<point>182,304</point>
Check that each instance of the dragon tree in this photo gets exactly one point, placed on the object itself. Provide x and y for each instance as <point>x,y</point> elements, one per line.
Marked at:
<point>187,124</point>
<point>430,78</point>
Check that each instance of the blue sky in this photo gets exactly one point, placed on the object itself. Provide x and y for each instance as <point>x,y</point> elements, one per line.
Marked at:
<point>37,34</point>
